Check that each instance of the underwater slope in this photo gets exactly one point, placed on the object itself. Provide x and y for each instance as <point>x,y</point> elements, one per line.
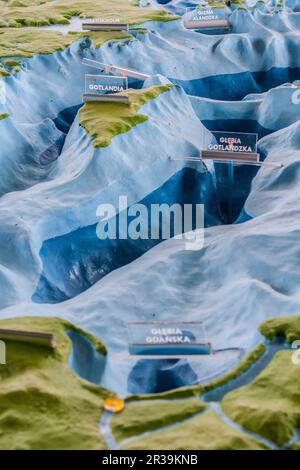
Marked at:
<point>230,283</point>
<point>252,113</point>
<point>82,259</point>
<point>84,177</point>
<point>236,281</point>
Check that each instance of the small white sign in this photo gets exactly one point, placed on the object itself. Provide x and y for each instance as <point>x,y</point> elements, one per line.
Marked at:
<point>168,336</point>
<point>104,84</point>
<point>233,142</point>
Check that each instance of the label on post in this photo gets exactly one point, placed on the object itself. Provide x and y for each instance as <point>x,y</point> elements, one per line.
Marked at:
<point>205,16</point>
<point>108,20</point>
<point>158,339</point>
<point>233,142</point>
<point>105,84</point>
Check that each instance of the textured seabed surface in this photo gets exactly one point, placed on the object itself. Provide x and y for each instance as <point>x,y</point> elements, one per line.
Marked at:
<point>53,179</point>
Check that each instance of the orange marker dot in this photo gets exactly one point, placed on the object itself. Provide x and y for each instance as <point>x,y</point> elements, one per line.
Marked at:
<point>114,404</point>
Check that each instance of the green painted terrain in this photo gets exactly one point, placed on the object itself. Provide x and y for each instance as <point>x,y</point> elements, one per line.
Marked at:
<point>43,404</point>
<point>295,446</point>
<point>286,327</point>
<point>146,416</point>
<point>11,63</point>
<point>103,121</point>
<point>28,13</point>
<point>3,72</point>
<point>204,432</point>
<point>19,39</point>
<point>270,405</point>
<point>27,42</point>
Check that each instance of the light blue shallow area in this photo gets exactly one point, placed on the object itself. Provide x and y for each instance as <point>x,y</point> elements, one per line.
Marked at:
<point>53,179</point>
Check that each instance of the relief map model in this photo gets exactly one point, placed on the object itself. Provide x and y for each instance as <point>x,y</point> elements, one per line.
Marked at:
<point>149,225</point>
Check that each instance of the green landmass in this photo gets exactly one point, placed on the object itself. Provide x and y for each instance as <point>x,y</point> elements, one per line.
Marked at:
<point>18,37</point>
<point>204,432</point>
<point>270,405</point>
<point>43,404</point>
<point>11,63</point>
<point>140,417</point>
<point>27,42</point>
<point>48,13</point>
<point>286,327</point>
<point>104,120</point>
<point>38,387</point>
<point>217,5</point>
<point>3,73</point>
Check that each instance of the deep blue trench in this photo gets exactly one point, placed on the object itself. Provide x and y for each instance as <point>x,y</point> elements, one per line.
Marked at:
<point>82,259</point>
<point>234,184</point>
<point>75,261</point>
<point>63,122</point>
<point>234,87</point>
<point>231,87</point>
